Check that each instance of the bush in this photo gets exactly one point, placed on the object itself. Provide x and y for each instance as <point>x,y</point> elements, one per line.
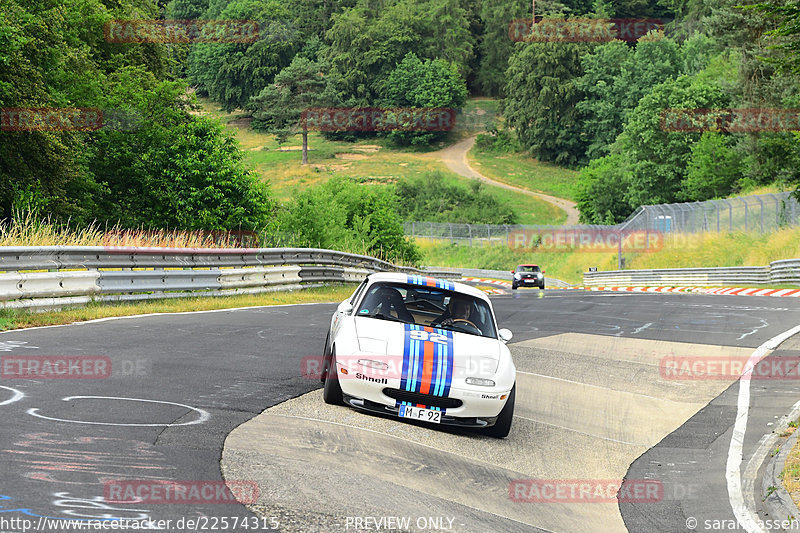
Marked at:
<point>345,216</point>
<point>432,198</point>
<point>498,142</point>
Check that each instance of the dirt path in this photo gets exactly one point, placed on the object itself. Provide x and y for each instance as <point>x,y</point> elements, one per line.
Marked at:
<point>455,157</point>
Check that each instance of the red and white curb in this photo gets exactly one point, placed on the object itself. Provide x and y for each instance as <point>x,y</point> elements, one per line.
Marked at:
<point>727,291</point>
<point>732,291</point>
<point>489,290</point>
<point>738,291</point>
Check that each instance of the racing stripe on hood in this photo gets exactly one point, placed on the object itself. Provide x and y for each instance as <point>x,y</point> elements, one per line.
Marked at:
<point>427,361</point>
<point>416,279</point>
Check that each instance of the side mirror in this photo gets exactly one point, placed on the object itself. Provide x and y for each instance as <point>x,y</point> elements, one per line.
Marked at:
<point>513,272</point>
<point>544,271</point>
<point>505,335</point>
<point>344,307</point>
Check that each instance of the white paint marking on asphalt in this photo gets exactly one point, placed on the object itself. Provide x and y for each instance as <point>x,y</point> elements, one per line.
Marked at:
<point>310,419</point>
<point>582,432</point>
<point>746,517</point>
<point>764,324</point>
<point>637,330</point>
<point>18,395</point>
<point>10,346</point>
<point>204,415</point>
<point>592,386</point>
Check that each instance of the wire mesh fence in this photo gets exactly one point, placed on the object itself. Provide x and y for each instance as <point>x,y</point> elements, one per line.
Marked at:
<point>761,213</point>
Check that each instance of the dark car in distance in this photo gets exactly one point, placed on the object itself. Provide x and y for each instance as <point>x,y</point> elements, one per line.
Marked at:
<point>528,276</point>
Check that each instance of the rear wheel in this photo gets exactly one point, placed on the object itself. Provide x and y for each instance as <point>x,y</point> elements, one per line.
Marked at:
<point>503,425</point>
<point>332,392</point>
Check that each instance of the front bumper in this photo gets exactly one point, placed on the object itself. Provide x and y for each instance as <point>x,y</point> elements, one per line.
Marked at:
<point>447,420</point>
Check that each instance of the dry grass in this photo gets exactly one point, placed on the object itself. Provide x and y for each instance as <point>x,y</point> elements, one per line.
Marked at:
<point>16,319</point>
<point>29,229</point>
<point>791,473</point>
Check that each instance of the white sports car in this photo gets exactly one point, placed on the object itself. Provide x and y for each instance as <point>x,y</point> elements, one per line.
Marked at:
<point>423,349</point>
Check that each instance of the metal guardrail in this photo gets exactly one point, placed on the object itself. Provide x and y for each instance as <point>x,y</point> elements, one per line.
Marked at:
<point>55,276</point>
<point>778,272</point>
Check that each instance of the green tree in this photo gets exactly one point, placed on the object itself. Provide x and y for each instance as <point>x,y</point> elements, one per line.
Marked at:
<point>714,168</point>
<point>542,98</point>
<point>496,45</point>
<point>278,109</point>
<point>366,44</point>
<point>657,155</point>
<point>786,18</point>
<point>423,84</point>
<point>600,191</point>
<point>615,78</point>
<point>171,169</point>
<point>231,73</point>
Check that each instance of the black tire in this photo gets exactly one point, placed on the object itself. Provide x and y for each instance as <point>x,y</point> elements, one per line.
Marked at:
<point>542,286</point>
<point>501,428</point>
<point>332,392</point>
<point>325,357</point>
<point>513,286</point>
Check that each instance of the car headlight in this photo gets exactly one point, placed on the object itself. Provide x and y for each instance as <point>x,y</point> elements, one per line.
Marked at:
<point>517,276</point>
<point>483,382</point>
<point>380,365</point>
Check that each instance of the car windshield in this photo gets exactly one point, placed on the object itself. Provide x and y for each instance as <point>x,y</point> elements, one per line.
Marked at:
<point>428,306</point>
<point>528,268</point>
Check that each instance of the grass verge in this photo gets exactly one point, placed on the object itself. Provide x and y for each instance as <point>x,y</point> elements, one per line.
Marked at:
<point>790,475</point>
<point>20,318</point>
<point>525,172</point>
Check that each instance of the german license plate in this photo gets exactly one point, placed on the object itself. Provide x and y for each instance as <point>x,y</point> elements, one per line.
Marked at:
<point>418,413</point>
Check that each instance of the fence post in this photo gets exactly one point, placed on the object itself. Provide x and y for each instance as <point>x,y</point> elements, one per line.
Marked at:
<point>761,213</point>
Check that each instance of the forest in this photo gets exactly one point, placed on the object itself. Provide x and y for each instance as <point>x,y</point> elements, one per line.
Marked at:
<point>599,106</point>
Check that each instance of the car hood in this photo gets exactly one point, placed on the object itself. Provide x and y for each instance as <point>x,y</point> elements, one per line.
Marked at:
<point>386,337</point>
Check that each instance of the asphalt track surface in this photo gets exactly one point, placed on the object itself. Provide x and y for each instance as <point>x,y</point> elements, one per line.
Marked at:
<point>593,405</point>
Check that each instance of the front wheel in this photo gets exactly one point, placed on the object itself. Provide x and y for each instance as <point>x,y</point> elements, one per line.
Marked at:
<point>502,426</point>
<point>514,286</point>
<point>542,286</point>
<point>332,392</point>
